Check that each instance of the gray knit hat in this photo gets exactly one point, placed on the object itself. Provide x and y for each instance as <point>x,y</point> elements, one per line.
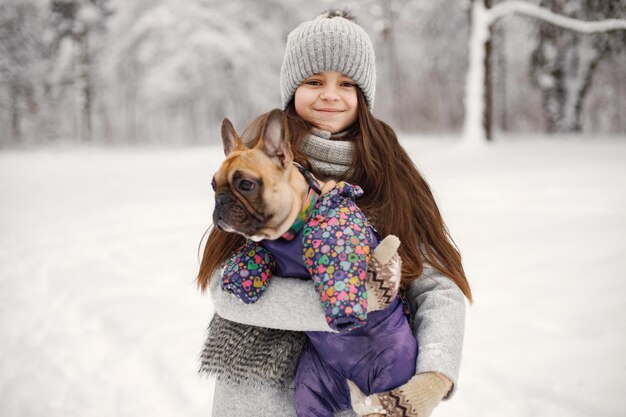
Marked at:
<point>330,42</point>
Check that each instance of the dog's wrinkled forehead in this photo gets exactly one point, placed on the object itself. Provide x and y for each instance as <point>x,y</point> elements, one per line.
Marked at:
<point>241,166</point>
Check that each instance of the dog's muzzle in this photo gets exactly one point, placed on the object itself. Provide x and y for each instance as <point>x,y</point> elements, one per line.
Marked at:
<point>231,215</point>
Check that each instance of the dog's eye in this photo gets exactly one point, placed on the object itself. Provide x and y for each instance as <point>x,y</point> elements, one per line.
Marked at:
<point>213,184</point>
<point>245,185</point>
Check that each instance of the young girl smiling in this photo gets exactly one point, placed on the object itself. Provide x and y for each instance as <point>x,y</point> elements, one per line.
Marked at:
<point>328,101</point>
<point>328,82</point>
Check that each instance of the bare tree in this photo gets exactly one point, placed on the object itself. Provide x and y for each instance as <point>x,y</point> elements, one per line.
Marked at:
<point>20,69</point>
<point>482,19</point>
<point>563,62</point>
<point>81,22</point>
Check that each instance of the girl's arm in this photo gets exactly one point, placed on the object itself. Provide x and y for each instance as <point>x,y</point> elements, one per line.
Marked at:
<point>294,304</point>
<point>287,304</point>
<point>438,306</point>
<point>438,309</point>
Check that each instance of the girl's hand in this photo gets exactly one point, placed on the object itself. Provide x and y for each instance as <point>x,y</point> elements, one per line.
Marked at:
<point>416,398</point>
<point>421,394</point>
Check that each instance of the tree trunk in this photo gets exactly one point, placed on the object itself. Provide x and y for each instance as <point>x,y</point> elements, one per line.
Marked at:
<point>566,64</point>
<point>487,66</point>
<point>563,64</point>
<point>393,68</point>
<point>16,130</point>
<point>86,88</point>
<point>499,70</point>
<point>474,124</point>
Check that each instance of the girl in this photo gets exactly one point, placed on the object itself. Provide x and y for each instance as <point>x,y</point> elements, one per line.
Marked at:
<point>328,82</point>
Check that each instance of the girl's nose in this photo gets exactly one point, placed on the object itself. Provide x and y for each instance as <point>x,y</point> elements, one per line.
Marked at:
<point>329,93</point>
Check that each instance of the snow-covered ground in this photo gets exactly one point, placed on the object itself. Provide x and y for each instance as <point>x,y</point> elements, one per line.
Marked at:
<point>99,315</point>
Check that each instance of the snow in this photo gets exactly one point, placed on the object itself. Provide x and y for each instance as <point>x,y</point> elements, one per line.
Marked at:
<point>99,314</point>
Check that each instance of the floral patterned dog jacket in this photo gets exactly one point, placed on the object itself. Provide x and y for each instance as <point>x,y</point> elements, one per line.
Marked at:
<point>330,243</point>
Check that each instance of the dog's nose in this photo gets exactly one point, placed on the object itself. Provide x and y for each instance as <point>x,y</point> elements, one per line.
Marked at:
<point>222,198</point>
<point>217,210</point>
<point>223,204</point>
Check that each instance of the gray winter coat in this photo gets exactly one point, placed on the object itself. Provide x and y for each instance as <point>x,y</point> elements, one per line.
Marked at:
<point>437,304</point>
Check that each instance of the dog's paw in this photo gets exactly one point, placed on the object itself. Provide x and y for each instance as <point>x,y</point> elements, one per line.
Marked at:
<point>383,274</point>
<point>386,249</point>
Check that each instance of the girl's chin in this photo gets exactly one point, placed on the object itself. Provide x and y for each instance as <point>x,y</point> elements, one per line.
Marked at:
<point>331,129</point>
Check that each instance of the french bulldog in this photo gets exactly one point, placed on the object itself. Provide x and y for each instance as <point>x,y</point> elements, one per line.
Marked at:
<point>259,191</point>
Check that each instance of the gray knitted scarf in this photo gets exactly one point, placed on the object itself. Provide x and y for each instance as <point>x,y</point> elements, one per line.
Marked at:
<point>330,155</point>
<point>252,355</point>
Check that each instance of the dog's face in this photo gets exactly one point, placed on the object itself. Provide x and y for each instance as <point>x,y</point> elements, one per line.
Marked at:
<point>255,192</point>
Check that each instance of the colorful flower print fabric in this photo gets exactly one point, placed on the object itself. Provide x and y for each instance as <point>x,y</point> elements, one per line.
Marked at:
<point>336,252</point>
<point>248,272</point>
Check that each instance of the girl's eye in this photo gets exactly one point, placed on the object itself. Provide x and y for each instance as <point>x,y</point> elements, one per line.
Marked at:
<point>313,82</point>
<point>348,84</point>
<point>245,185</point>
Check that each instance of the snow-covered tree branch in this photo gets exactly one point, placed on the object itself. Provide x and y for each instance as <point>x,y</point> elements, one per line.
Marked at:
<point>531,10</point>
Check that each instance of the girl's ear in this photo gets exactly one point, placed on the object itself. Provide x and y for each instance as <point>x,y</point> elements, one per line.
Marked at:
<point>230,138</point>
<point>275,142</point>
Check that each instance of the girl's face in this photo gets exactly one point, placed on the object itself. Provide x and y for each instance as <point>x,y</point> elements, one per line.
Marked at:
<point>328,100</point>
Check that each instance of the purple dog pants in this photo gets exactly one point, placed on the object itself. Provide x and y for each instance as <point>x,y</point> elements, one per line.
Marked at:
<point>377,357</point>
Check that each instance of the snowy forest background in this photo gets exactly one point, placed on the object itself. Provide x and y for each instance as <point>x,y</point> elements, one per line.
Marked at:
<point>99,245</point>
<point>168,71</point>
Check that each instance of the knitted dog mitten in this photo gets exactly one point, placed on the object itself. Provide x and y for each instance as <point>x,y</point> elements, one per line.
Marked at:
<point>416,398</point>
<point>383,274</point>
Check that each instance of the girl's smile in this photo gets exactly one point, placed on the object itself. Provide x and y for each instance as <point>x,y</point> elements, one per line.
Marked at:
<point>328,100</point>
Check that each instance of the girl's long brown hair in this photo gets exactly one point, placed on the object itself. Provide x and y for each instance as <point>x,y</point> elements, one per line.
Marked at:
<point>396,198</point>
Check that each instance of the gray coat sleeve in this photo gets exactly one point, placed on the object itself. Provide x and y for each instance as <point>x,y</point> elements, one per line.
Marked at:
<point>287,304</point>
<point>438,307</point>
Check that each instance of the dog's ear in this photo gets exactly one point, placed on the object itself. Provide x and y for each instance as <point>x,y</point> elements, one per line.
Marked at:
<point>230,138</point>
<point>275,140</point>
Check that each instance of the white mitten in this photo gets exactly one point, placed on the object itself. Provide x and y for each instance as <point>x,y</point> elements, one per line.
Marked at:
<point>383,274</point>
<point>416,398</point>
